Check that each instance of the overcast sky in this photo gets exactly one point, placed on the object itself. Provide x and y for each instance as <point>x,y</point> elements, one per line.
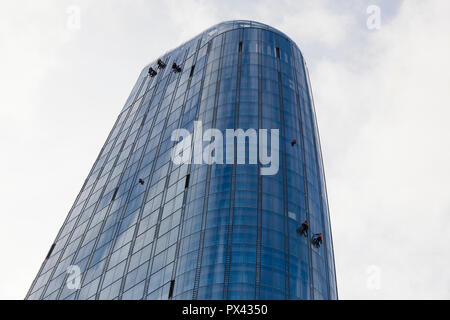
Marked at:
<point>382,99</point>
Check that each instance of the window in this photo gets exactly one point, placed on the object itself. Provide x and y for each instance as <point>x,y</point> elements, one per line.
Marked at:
<point>50,251</point>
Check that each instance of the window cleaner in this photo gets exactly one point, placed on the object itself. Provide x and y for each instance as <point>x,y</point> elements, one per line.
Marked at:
<point>293,142</point>
<point>152,72</point>
<point>141,181</point>
<point>175,67</point>
<point>161,64</point>
<point>317,240</point>
<point>303,229</point>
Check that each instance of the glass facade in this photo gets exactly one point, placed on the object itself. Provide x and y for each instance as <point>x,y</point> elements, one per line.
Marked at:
<point>143,227</point>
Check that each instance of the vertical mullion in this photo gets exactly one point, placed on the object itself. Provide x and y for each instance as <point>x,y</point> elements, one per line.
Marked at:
<point>233,174</point>
<point>259,209</point>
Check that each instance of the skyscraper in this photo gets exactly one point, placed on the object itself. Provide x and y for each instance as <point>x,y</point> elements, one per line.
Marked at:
<point>147,227</point>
